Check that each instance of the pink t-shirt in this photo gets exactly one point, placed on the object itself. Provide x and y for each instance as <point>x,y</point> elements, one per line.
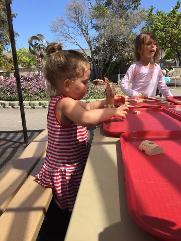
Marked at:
<point>141,79</point>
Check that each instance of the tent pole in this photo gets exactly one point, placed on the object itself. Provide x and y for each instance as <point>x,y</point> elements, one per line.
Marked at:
<point>16,72</point>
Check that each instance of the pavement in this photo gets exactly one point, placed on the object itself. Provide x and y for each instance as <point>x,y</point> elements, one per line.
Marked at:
<point>11,134</point>
<point>176,90</point>
<point>11,119</point>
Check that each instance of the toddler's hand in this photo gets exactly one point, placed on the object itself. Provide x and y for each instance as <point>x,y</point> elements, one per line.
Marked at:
<point>119,100</point>
<point>109,92</point>
<point>98,82</point>
<point>122,110</point>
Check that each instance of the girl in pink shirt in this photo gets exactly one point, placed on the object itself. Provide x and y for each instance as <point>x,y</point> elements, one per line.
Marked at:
<point>145,76</point>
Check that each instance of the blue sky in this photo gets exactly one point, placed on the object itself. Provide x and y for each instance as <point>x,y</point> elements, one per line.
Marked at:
<point>35,16</point>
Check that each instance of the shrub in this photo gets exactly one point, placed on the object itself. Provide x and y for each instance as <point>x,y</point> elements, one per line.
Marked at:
<point>95,92</point>
<point>34,88</point>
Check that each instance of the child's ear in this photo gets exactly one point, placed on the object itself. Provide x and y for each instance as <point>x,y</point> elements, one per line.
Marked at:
<point>67,83</point>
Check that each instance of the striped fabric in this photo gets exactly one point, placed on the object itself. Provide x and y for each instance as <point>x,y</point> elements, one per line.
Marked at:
<point>65,159</point>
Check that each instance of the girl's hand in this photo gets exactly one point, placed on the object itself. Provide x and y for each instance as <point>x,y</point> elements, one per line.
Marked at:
<point>98,82</point>
<point>142,96</point>
<point>122,110</point>
<point>109,92</point>
<point>119,100</point>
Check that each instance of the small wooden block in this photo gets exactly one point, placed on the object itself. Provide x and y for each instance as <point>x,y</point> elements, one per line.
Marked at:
<point>150,148</point>
<point>137,112</point>
<point>139,100</point>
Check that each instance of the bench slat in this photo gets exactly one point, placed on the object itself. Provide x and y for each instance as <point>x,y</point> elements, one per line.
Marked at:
<point>24,215</point>
<point>13,174</point>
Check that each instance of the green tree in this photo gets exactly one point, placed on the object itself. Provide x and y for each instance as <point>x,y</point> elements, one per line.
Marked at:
<point>166,26</point>
<point>116,22</point>
<point>25,58</point>
<point>105,27</point>
<point>4,34</point>
<point>5,58</point>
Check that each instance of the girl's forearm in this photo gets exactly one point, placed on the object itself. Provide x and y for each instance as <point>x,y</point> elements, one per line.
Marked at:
<point>98,104</point>
<point>95,116</point>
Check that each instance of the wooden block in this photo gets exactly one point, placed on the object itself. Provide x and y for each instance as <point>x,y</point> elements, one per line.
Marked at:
<point>139,100</point>
<point>150,148</point>
<point>137,112</point>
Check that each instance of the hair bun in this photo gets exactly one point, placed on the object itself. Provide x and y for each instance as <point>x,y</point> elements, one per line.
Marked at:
<point>53,47</point>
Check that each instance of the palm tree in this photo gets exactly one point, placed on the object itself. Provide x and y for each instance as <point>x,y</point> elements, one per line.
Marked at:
<point>37,46</point>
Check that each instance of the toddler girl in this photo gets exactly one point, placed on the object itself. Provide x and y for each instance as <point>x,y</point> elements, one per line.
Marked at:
<point>67,73</point>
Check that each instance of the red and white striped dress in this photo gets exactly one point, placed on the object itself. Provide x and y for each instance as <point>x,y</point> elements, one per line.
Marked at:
<point>65,159</point>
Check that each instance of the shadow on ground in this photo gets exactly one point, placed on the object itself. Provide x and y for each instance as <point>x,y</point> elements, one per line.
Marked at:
<point>12,144</point>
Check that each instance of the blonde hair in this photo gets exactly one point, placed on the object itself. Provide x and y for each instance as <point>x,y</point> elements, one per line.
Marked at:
<point>140,42</point>
<point>63,64</point>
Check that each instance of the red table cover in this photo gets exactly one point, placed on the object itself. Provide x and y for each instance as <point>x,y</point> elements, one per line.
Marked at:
<point>174,110</point>
<point>146,103</point>
<point>148,119</point>
<point>174,99</point>
<point>153,183</point>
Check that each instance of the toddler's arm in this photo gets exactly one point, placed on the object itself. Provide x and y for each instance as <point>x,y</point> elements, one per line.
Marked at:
<point>109,101</point>
<point>74,111</point>
<point>98,104</point>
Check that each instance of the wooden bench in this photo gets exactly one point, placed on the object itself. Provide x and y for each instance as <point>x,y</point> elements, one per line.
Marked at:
<point>23,202</point>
